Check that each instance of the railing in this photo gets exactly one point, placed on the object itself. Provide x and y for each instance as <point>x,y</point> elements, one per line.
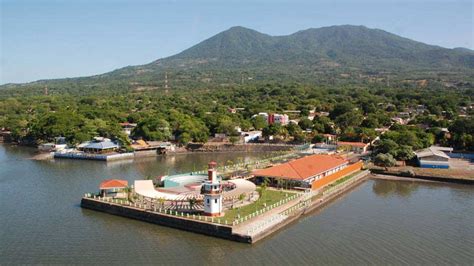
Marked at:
<point>265,209</point>
<point>305,202</point>
<point>279,217</point>
<point>150,206</point>
<point>345,183</point>
<point>154,208</point>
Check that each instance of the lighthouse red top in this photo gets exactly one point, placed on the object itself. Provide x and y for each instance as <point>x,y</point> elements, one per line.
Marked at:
<point>212,164</point>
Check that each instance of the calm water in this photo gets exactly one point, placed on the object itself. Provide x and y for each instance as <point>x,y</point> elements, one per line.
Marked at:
<point>379,222</point>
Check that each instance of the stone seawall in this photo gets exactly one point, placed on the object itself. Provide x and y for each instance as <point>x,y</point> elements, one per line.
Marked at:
<point>182,223</point>
<point>462,181</point>
<point>314,206</point>
<point>212,229</point>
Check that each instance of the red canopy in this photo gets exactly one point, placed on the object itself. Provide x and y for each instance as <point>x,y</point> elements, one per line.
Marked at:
<point>113,183</point>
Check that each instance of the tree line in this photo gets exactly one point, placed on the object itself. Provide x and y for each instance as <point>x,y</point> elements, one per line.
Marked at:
<point>195,114</point>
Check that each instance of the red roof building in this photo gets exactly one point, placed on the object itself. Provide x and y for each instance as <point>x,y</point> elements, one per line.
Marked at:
<point>306,170</point>
<point>113,183</point>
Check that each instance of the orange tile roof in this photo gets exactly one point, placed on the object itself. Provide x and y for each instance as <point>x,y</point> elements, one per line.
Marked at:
<point>355,144</point>
<point>113,183</point>
<point>303,168</point>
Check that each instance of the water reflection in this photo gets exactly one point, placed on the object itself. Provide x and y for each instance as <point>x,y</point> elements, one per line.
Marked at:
<point>385,188</point>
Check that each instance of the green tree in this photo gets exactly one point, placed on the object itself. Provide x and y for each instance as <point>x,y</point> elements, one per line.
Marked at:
<point>305,123</point>
<point>233,140</point>
<point>385,160</point>
<point>340,109</point>
<point>259,122</point>
<point>152,128</point>
<point>405,153</point>
<point>386,146</point>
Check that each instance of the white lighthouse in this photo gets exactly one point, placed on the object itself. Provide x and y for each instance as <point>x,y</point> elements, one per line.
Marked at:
<point>212,191</point>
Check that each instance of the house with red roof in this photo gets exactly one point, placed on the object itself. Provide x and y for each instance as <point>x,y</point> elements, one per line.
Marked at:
<point>305,171</point>
<point>113,187</point>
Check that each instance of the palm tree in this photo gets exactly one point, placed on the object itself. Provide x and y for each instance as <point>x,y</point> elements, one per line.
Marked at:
<point>266,181</point>
<point>241,197</point>
<point>279,183</point>
<point>263,188</point>
<point>162,202</point>
<point>128,191</point>
<point>192,202</point>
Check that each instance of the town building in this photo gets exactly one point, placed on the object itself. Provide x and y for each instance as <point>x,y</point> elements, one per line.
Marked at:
<point>262,114</point>
<point>400,120</point>
<point>251,136</point>
<point>278,119</point>
<point>113,187</point>
<point>314,171</point>
<point>322,114</point>
<point>159,146</point>
<point>59,145</point>
<point>5,135</point>
<point>329,138</point>
<point>357,147</point>
<point>128,127</point>
<point>98,145</point>
<point>49,147</point>
<point>434,157</point>
<point>274,118</point>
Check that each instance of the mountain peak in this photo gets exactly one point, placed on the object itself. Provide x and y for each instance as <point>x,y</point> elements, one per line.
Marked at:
<point>305,54</point>
<point>239,28</point>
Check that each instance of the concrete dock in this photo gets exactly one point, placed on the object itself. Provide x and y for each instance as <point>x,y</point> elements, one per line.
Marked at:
<point>250,230</point>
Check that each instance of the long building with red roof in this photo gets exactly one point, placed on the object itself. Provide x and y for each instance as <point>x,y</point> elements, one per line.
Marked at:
<point>305,170</point>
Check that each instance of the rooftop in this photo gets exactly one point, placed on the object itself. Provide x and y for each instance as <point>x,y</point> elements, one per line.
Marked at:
<point>101,145</point>
<point>434,150</point>
<point>303,168</point>
<point>350,143</point>
<point>113,183</point>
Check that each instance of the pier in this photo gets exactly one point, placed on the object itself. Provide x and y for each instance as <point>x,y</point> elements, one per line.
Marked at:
<point>250,228</point>
<point>92,156</point>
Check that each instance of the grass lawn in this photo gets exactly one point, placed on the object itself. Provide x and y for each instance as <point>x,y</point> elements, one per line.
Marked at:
<point>270,197</point>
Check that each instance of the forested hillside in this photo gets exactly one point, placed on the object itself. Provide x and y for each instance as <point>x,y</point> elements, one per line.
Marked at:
<point>362,77</point>
<point>330,55</point>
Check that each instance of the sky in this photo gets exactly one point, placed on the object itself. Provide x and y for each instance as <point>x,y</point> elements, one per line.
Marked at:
<point>56,39</point>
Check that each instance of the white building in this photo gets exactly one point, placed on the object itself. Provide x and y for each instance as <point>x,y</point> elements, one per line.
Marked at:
<point>434,157</point>
<point>251,135</point>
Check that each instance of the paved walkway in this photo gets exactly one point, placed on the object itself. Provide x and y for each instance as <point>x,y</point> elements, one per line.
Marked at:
<point>245,227</point>
<point>273,217</point>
